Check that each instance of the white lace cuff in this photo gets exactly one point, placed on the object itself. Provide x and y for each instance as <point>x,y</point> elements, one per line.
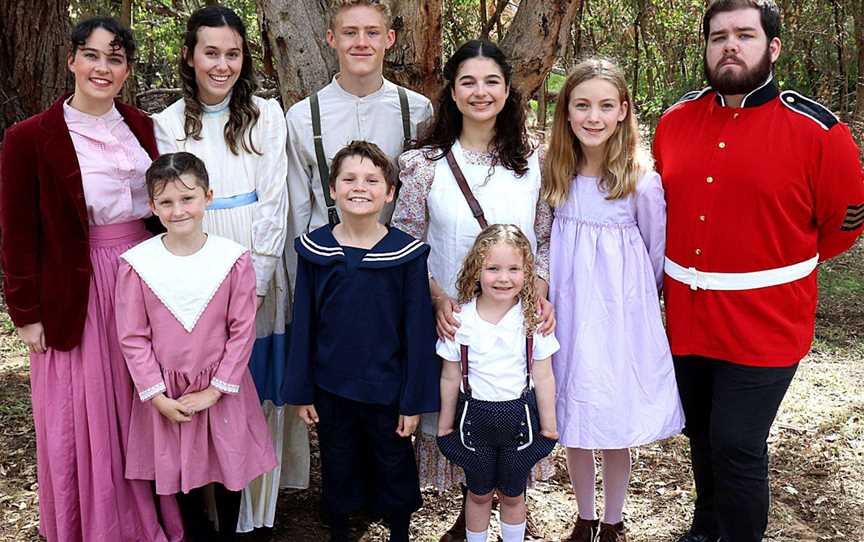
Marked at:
<point>152,391</point>
<point>225,387</point>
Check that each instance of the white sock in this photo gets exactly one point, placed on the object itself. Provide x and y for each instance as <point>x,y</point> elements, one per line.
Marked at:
<point>471,536</point>
<point>513,533</point>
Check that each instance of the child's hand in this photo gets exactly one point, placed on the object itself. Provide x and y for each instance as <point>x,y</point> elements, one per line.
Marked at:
<point>547,316</point>
<point>407,425</point>
<point>171,409</point>
<point>445,323</point>
<point>444,431</point>
<point>200,400</point>
<point>552,435</point>
<point>308,414</point>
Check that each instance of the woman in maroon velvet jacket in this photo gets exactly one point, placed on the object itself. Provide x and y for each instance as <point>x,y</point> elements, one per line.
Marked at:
<point>72,199</point>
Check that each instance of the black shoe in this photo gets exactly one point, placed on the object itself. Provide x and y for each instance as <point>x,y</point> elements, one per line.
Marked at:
<point>692,536</point>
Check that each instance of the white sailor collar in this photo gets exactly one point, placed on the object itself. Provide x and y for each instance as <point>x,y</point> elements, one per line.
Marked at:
<point>393,250</point>
<point>482,336</point>
<point>184,284</point>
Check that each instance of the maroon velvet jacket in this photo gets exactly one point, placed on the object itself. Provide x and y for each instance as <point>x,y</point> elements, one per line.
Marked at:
<point>44,224</point>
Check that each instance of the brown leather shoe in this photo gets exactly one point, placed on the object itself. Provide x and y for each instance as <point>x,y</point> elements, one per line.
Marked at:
<point>612,533</point>
<point>456,533</point>
<point>584,531</point>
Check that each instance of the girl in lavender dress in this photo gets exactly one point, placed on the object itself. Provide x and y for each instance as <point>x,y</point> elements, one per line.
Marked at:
<point>615,382</point>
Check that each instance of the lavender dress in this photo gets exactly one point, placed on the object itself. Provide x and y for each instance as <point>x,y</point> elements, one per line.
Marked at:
<point>615,381</point>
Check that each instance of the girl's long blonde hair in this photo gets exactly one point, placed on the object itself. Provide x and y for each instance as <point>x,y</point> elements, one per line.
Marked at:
<point>625,158</point>
<point>468,281</point>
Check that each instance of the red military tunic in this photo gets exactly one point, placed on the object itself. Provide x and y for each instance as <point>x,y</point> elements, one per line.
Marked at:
<point>764,186</point>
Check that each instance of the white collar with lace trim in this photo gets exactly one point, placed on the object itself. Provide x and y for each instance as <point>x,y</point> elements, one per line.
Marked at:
<point>184,284</point>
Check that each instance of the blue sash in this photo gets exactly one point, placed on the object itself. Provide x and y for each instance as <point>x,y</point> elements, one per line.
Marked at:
<point>234,201</point>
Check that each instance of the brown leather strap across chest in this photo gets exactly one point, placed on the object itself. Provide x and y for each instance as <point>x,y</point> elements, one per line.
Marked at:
<point>476,210</point>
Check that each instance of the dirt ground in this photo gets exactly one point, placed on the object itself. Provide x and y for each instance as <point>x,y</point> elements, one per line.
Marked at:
<point>816,444</point>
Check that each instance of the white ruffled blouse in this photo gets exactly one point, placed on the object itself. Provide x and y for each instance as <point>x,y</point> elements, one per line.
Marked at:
<point>496,352</point>
<point>261,226</point>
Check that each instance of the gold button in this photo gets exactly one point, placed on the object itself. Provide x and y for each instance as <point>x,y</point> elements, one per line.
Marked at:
<point>698,251</point>
<point>702,218</point>
<point>722,145</point>
<point>709,180</point>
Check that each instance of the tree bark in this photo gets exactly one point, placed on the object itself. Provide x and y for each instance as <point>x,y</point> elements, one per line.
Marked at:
<point>130,89</point>
<point>34,45</point>
<point>414,61</point>
<point>841,66</point>
<point>542,107</point>
<point>859,41</point>
<point>533,40</point>
<point>292,32</point>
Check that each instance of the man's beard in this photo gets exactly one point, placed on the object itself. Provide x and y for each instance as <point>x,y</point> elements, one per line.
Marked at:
<point>730,84</point>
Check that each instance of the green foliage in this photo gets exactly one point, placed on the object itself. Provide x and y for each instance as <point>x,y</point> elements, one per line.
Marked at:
<point>657,42</point>
<point>159,26</point>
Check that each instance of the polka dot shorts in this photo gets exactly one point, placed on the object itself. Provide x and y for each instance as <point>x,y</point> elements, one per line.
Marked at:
<point>496,443</point>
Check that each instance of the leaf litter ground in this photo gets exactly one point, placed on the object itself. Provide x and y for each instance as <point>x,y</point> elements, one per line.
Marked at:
<point>816,444</point>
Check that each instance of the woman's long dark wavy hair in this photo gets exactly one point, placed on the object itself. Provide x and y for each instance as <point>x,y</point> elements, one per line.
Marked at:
<point>243,111</point>
<point>510,142</point>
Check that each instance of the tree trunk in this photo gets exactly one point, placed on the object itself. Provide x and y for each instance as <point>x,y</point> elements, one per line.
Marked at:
<point>130,89</point>
<point>414,61</point>
<point>542,107</point>
<point>34,45</point>
<point>841,66</point>
<point>577,39</point>
<point>859,41</point>
<point>292,32</point>
<point>533,40</point>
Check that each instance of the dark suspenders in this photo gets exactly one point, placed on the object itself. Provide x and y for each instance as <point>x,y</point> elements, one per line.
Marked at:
<point>529,357</point>
<point>321,158</point>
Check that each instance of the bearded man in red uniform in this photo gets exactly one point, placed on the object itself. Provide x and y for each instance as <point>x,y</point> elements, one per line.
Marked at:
<point>761,186</point>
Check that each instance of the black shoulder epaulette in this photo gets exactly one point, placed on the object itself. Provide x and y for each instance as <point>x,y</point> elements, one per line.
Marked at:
<point>811,109</point>
<point>692,95</point>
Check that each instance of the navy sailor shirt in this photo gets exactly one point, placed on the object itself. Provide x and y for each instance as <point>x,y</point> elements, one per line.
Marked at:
<point>363,324</point>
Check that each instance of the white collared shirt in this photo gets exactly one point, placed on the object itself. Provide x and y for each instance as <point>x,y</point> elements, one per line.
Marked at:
<point>376,118</point>
<point>496,352</point>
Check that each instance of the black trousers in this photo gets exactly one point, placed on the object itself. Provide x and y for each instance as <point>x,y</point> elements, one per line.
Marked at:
<point>729,410</point>
<point>193,510</point>
<point>354,437</point>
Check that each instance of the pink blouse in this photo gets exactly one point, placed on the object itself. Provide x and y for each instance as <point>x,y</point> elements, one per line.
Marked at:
<point>112,164</point>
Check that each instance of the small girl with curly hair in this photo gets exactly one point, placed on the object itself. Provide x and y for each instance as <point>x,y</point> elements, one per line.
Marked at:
<point>501,421</point>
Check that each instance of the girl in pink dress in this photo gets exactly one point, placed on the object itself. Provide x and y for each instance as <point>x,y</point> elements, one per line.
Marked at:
<point>71,201</point>
<point>614,376</point>
<point>186,321</point>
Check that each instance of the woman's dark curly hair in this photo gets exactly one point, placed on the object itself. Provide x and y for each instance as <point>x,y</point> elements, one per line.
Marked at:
<point>510,142</point>
<point>243,111</point>
<point>123,38</point>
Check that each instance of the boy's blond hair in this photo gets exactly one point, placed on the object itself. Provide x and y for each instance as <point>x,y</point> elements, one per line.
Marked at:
<point>338,6</point>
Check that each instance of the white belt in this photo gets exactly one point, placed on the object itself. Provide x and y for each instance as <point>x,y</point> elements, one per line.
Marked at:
<point>701,280</point>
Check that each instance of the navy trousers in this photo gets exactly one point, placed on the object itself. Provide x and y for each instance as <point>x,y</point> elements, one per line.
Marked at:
<point>729,410</point>
<point>359,446</point>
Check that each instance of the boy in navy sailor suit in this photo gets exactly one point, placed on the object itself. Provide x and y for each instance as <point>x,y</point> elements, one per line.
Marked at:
<point>362,364</point>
